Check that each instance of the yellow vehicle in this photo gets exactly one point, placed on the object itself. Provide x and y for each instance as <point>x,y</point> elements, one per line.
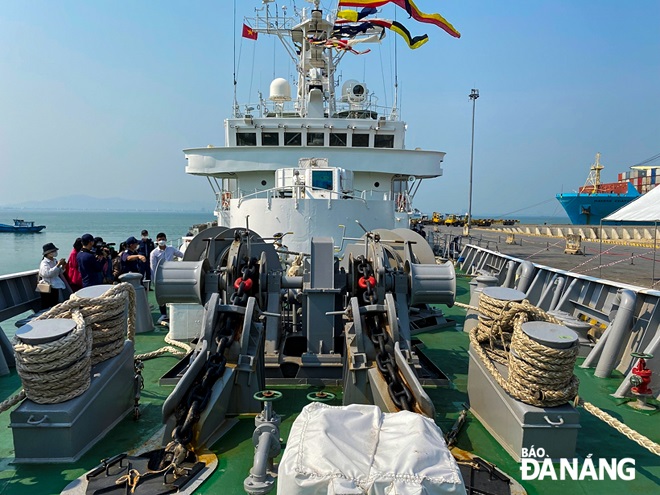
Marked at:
<point>437,217</point>
<point>454,221</point>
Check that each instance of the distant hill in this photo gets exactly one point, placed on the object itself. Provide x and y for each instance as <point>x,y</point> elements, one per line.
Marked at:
<point>89,203</point>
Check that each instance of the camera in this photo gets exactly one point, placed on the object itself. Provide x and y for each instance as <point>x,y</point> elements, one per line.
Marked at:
<point>104,249</point>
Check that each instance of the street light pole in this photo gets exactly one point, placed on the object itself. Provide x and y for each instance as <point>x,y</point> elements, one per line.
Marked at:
<point>474,94</point>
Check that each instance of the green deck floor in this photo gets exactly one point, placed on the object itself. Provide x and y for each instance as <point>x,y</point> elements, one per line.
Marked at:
<point>447,348</point>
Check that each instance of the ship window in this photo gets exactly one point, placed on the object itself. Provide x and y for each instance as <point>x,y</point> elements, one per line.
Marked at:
<point>384,141</point>
<point>360,140</point>
<point>246,139</point>
<point>314,139</point>
<point>322,179</point>
<point>292,139</point>
<point>338,139</point>
<point>263,182</point>
<point>376,184</point>
<point>270,138</point>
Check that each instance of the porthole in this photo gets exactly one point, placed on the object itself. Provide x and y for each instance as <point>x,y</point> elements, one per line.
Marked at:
<point>376,184</point>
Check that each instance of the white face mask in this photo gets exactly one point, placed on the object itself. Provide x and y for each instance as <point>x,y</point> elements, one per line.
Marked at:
<point>162,243</point>
<point>54,254</point>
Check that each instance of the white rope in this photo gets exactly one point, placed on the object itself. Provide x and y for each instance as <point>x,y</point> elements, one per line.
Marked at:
<point>105,316</point>
<point>57,371</point>
<point>615,262</point>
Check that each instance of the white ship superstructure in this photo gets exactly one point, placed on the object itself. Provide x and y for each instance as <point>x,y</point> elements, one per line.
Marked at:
<point>316,164</point>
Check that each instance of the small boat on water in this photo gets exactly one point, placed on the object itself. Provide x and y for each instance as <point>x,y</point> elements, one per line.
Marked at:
<point>21,227</point>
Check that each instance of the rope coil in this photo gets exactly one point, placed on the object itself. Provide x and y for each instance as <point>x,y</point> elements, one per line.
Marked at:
<point>537,374</point>
<point>58,371</point>
<point>105,316</point>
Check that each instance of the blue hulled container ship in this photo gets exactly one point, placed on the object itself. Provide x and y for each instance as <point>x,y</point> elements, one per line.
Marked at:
<point>595,200</point>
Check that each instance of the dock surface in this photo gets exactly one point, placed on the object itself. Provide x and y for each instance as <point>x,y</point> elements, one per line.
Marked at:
<point>619,261</point>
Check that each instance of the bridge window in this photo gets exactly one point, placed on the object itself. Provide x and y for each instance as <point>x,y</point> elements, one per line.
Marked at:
<point>360,140</point>
<point>292,139</point>
<point>322,179</point>
<point>246,139</point>
<point>384,141</point>
<point>270,138</point>
<point>314,139</point>
<point>338,139</point>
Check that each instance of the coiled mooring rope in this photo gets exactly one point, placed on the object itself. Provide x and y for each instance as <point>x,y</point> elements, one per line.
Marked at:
<point>57,371</point>
<point>537,374</point>
<point>498,349</point>
<point>105,321</point>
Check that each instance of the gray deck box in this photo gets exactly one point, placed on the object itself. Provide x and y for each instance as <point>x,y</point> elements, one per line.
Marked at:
<point>516,425</point>
<point>64,432</point>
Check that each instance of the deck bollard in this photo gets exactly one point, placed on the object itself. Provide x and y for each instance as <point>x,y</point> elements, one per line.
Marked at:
<point>143,320</point>
<point>477,285</point>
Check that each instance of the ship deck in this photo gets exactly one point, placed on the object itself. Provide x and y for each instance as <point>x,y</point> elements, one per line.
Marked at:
<point>447,348</point>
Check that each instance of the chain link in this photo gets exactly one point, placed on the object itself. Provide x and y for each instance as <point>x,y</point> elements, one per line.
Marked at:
<point>367,281</point>
<point>386,363</point>
<point>138,386</point>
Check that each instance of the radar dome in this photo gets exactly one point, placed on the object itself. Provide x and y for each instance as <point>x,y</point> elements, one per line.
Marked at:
<point>280,90</point>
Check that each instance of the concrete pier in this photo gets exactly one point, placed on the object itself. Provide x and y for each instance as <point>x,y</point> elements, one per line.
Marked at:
<point>628,261</point>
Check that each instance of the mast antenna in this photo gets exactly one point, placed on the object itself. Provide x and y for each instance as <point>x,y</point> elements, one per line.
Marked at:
<point>234,75</point>
<point>594,175</point>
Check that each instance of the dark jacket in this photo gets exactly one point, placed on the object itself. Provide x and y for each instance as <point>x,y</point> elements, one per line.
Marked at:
<point>145,246</point>
<point>91,269</point>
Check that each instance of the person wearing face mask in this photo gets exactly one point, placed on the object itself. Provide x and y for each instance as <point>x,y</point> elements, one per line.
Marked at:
<point>145,247</point>
<point>50,270</point>
<point>162,253</point>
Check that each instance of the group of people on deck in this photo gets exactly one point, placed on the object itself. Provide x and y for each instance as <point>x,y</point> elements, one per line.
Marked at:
<point>93,262</point>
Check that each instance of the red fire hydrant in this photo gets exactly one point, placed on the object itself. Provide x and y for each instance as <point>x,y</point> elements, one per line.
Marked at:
<point>641,375</point>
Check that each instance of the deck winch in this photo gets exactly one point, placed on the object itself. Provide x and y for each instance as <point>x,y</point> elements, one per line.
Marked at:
<point>332,321</point>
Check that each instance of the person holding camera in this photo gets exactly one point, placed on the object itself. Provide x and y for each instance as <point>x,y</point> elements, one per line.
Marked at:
<point>90,262</point>
<point>131,260</point>
<point>50,270</point>
<point>105,249</point>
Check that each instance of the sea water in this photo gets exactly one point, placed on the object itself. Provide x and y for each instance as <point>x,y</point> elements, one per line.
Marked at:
<point>22,252</point>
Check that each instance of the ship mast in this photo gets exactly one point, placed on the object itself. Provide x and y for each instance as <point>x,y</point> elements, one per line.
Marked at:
<point>314,61</point>
<point>593,181</point>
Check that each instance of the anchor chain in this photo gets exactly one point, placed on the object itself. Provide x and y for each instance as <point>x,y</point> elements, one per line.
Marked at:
<point>243,284</point>
<point>198,396</point>
<point>386,362</point>
<point>138,385</point>
<point>367,281</point>
<point>398,391</point>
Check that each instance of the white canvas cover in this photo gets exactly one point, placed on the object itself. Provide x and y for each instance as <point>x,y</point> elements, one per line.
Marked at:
<point>646,208</point>
<point>357,449</point>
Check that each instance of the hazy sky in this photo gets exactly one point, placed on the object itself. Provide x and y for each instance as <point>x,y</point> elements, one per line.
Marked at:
<point>100,97</point>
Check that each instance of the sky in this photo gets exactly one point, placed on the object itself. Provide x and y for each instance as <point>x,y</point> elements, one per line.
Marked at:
<point>101,97</point>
